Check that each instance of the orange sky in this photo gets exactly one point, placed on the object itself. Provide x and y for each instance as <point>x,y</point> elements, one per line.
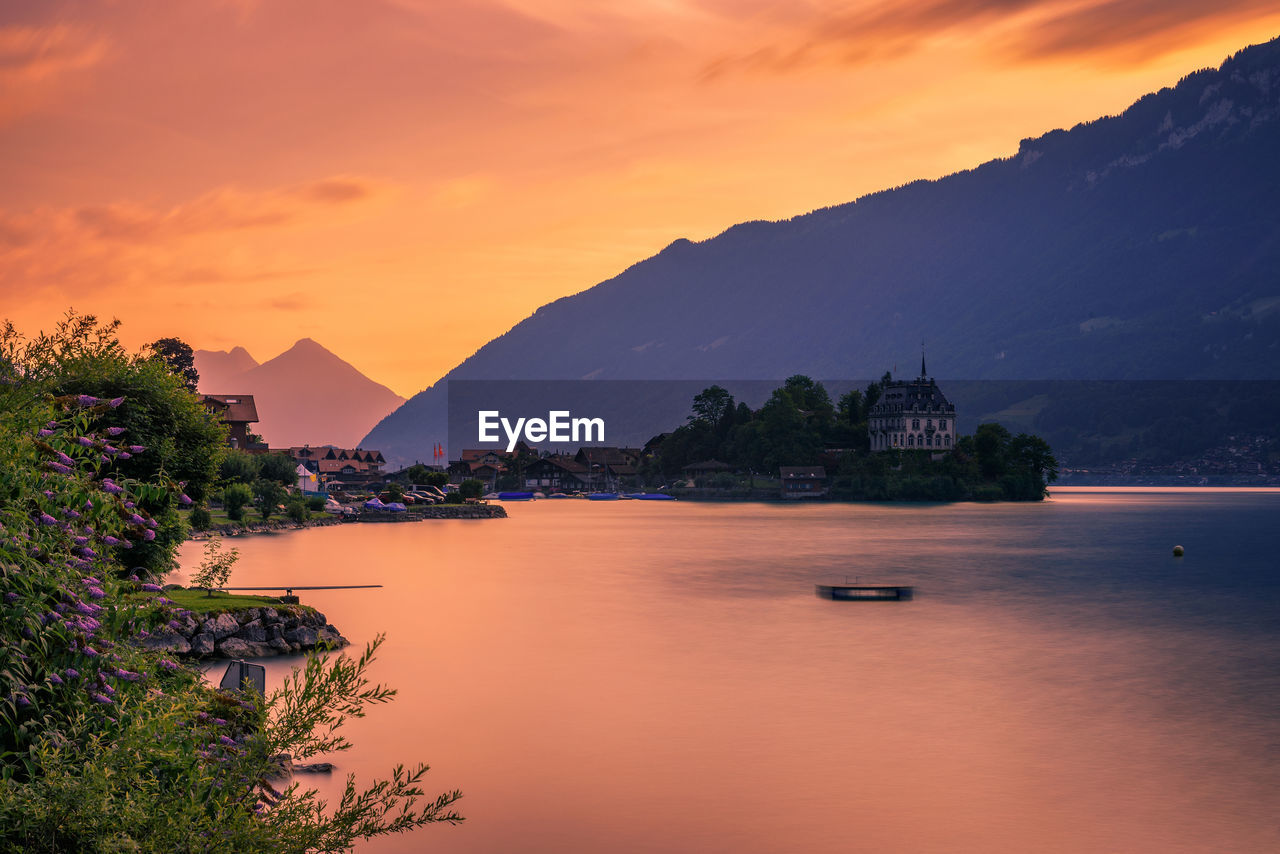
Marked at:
<point>402,180</point>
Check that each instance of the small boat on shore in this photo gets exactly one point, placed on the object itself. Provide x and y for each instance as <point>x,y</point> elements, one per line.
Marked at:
<point>602,496</point>
<point>649,496</point>
<point>865,592</point>
<point>515,496</point>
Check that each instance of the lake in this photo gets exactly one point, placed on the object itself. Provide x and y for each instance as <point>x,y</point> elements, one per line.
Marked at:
<point>659,676</point>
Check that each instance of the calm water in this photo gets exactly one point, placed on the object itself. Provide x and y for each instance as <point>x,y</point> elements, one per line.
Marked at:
<point>642,676</point>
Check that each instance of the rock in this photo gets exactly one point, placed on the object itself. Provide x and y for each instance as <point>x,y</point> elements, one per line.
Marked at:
<point>202,644</point>
<point>274,631</point>
<point>248,615</point>
<point>270,615</point>
<point>221,626</point>
<point>280,645</point>
<point>302,635</point>
<point>313,768</point>
<point>235,648</point>
<point>167,639</point>
<point>253,631</point>
<point>167,587</point>
<point>329,635</point>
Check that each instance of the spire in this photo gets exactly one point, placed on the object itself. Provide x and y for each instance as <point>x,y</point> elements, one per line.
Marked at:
<point>923,372</point>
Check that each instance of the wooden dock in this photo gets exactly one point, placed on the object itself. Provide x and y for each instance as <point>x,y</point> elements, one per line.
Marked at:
<point>865,592</point>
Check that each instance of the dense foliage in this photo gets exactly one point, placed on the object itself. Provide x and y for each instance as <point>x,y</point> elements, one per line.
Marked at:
<point>106,745</point>
<point>800,426</point>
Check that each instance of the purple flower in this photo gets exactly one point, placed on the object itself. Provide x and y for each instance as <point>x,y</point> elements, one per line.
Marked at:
<point>96,593</point>
<point>70,514</point>
<point>52,425</point>
<point>125,455</point>
<point>110,540</point>
<point>137,520</point>
<point>58,467</point>
<point>151,588</point>
<point>86,552</point>
<point>220,721</point>
<point>87,400</point>
<point>167,664</point>
<point>137,449</point>
<point>175,625</point>
<point>91,652</point>
<point>22,700</point>
<point>222,739</point>
<point>128,675</point>
<point>88,609</point>
<point>88,505</point>
<point>129,505</point>
<point>114,431</point>
<point>55,679</point>
<point>80,541</point>
<point>85,442</point>
<point>184,499</point>
<point>90,581</point>
<point>111,487</point>
<point>43,433</point>
<point>148,535</point>
<point>46,519</point>
<point>71,673</point>
<point>115,401</point>
<point>100,698</point>
<point>11,597</point>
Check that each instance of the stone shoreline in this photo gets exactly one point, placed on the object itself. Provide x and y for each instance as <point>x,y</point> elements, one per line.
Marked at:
<point>417,514</point>
<point>248,633</point>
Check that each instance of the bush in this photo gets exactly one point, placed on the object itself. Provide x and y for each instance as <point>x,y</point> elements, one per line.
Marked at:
<point>200,518</point>
<point>269,494</point>
<point>297,510</point>
<point>315,503</point>
<point>235,498</point>
<point>471,488</point>
<point>453,498</point>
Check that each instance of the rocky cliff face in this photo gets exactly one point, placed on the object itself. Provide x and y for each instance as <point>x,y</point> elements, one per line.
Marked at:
<point>250,633</point>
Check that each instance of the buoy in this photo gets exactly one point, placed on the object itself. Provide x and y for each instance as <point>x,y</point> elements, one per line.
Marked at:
<point>1177,551</point>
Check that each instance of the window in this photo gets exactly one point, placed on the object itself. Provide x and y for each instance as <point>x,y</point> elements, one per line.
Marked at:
<point>915,423</point>
<point>911,441</point>
<point>942,424</point>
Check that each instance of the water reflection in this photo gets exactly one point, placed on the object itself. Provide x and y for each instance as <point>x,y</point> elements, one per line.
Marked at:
<point>642,676</point>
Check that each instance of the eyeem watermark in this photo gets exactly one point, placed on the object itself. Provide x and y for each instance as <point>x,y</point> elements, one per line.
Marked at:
<point>558,426</point>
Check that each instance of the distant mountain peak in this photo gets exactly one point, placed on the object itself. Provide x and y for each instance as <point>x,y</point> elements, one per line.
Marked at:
<point>305,395</point>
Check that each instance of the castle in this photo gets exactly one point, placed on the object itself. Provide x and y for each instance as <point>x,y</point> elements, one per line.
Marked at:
<point>912,414</point>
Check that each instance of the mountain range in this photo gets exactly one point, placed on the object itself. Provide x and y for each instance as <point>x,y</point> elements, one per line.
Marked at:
<point>1139,246</point>
<point>306,395</point>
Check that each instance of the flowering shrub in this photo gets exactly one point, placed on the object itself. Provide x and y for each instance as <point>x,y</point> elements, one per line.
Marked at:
<point>105,745</point>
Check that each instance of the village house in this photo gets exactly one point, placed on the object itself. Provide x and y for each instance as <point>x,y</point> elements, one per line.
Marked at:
<point>803,481</point>
<point>607,467</point>
<point>339,467</point>
<point>556,473</point>
<point>912,415</point>
<point>237,411</point>
<point>702,473</point>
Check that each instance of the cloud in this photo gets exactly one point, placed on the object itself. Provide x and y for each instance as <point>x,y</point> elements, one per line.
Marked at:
<point>35,59</point>
<point>226,236</point>
<point>225,209</point>
<point>1010,30</point>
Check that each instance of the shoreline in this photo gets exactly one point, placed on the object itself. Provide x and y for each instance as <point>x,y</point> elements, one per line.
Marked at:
<point>435,511</point>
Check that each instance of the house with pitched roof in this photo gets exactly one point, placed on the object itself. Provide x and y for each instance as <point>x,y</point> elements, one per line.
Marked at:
<point>237,411</point>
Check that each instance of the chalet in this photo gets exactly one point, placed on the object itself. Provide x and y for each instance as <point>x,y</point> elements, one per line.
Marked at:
<point>803,481</point>
<point>912,415</point>
<point>237,411</point>
<point>557,473</point>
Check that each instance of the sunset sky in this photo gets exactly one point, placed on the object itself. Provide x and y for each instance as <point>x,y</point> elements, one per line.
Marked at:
<point>405,180</point>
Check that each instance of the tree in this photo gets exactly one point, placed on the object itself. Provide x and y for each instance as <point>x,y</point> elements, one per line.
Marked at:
<point>711,404</point>
<point>235,498</point>
<point>269,493</point>
<point>471,488</point>
<point>990,443</point>
<point>216,566</point>
<point>180,359</point>
<point>278,467</point>
<point>236,466</point>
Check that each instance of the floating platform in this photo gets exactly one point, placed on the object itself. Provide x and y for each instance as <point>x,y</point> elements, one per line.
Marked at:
<point>866,592</point>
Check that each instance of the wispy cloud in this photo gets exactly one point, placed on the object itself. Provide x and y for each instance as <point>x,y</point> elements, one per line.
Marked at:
<point>1011,30</point>
<point>35,58</point>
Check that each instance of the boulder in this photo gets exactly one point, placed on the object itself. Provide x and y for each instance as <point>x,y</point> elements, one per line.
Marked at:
<point>302,635</point>
<point>248,615</point>
<point>167,639</point>
<point>221,626</point>
<point>280,645</point>
<point>234,647</point>
<point>202,644</point>
<point>253,631</point>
